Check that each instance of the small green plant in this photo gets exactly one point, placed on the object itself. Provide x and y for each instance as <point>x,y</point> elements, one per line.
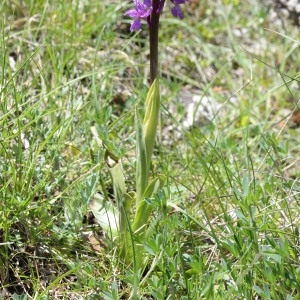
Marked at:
<point>116,219</point>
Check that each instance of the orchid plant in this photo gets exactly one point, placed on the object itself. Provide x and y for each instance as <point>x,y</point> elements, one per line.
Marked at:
<point>116,220</point>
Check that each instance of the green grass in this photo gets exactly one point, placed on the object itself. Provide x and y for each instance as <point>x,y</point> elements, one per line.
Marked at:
<point>233,182</point>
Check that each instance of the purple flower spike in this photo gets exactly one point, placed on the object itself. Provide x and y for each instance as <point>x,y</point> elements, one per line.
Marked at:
<point>144,10</point>
<point>176,10</point>
<point>141,11</point>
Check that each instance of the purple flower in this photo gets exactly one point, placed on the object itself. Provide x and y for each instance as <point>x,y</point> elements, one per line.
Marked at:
<point>176,10</point>
<point>141,11</point>
<point>144,10</point>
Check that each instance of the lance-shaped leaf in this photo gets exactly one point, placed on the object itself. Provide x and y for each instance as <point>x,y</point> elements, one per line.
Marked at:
<point>141,160</point>
<point>144,208</point>
<point>106,215</point>
<point>126,237</point>
<point>151,119</point>
<point>109,216</point>
<point>123,199</point>
<point>145,136</point>
<point>118,178</point>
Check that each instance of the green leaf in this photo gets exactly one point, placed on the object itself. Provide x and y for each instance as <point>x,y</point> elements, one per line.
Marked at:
<point>151,118</point>
<point>144,209</point>
<point>125,235</point>
<point>141,163</point>
<point>146,134</point>
<point>118,178</point>
<point>106,215</point>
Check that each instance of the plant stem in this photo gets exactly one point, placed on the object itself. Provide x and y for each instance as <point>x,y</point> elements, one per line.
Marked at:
<point>154,25</point>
